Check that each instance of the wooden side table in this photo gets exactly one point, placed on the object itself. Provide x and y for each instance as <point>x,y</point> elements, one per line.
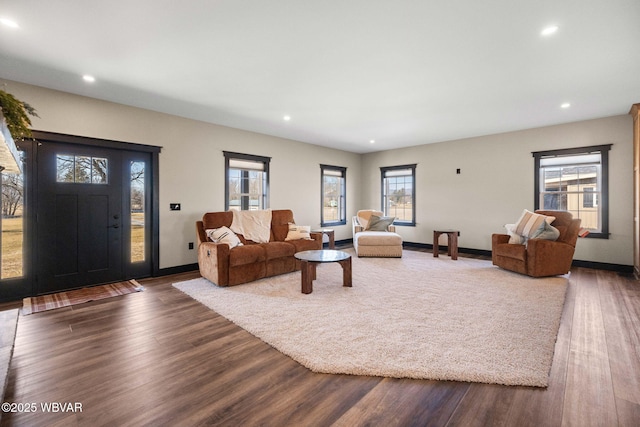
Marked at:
<point>330,234</point>
<point>452,247</point>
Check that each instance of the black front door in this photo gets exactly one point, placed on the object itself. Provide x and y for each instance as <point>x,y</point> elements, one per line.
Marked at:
<point>80,216</point>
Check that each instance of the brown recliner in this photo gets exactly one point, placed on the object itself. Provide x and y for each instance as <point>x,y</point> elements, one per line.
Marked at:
<point>539,258</point>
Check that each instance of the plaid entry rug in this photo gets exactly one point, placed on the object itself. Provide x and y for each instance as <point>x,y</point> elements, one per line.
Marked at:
<point>64,299</point>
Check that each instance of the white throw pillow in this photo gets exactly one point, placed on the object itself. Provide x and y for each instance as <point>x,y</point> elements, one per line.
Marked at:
<point>224,235</point>
<point>298,232</point>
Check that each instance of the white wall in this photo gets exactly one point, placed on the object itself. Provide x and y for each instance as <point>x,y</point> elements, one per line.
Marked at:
<point>497,182</point>
<point>192,162</point>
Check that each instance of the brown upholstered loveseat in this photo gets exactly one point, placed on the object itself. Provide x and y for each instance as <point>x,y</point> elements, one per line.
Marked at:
<point>251,261</point>
<point>539,258</point>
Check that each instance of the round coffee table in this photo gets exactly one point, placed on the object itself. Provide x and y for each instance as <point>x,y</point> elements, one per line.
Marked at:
<point>310,260</point>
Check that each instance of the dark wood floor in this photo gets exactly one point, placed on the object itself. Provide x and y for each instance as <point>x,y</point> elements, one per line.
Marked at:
<point>160,358</point>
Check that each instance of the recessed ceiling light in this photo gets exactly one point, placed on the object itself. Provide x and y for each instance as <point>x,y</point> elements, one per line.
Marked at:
<point>88,78</point>
<point>286,118</point>
<point>549,30</point>
<point>9,23</point>
<point>565,105</point>
<point>372,141</point>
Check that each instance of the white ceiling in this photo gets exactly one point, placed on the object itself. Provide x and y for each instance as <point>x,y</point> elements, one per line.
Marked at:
<point>402,72</point>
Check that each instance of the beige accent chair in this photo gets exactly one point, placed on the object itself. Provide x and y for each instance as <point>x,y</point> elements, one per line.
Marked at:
<point>370,243</point>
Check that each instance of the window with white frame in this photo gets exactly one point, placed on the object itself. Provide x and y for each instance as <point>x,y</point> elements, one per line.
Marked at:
<point>575,180</point>
<point>398,193</point>
<point>334,187</point>
<point>246,181</point>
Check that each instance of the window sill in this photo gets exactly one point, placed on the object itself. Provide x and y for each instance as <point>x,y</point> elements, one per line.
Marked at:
<point>596,236</point>
<point>332,224</point>
<point>404,224</point>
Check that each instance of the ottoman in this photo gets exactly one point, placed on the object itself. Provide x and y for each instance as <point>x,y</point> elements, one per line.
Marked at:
<point>378,244</point>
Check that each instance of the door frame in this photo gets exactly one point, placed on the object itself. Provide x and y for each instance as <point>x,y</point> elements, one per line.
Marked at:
<point>26,285</point>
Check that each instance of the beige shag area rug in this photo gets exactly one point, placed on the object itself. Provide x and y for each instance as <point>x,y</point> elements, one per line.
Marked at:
<point>412,317</point>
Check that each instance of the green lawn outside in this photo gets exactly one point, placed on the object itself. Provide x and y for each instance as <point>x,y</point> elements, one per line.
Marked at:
<point>11,247</point>
<point>137,237</point>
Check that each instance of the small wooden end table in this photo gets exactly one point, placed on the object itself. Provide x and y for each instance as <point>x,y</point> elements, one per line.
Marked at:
<point>452,247</point>
<point>330,234</point>
<point>311,259</point>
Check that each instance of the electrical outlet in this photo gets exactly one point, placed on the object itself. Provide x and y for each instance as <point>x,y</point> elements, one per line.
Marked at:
<point>190,245</point>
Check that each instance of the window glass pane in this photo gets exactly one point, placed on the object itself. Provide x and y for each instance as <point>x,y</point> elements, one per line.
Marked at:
<point>247,181</point>
<point>254,203</point>
<point>235,177</point>
<point>554,201</point>
<point>331,198</point>
<point>573,187</point>
<point>551,177</point>
<point>138,214</point>
<point>590,218</point>
<point>81,169</point>
<point>256,186</point>
<point>98,170</point>
<point>65,168</point>
<point>399,197</point>
<point>246,189</point>
<point>573,203</point>
<point>588,199</point>
<point>333,195</point>
<point>12,225</point>
<point>587,177</point>
<point>570,179</point>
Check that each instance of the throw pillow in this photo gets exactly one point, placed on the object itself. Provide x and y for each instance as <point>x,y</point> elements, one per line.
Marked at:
<point>297,232</point>
<point>514,238</point>
<point>530,222</point>
<point>224,235</point>
<point>363,222</point>
<point>379,223</point>
<point>547,232</point>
